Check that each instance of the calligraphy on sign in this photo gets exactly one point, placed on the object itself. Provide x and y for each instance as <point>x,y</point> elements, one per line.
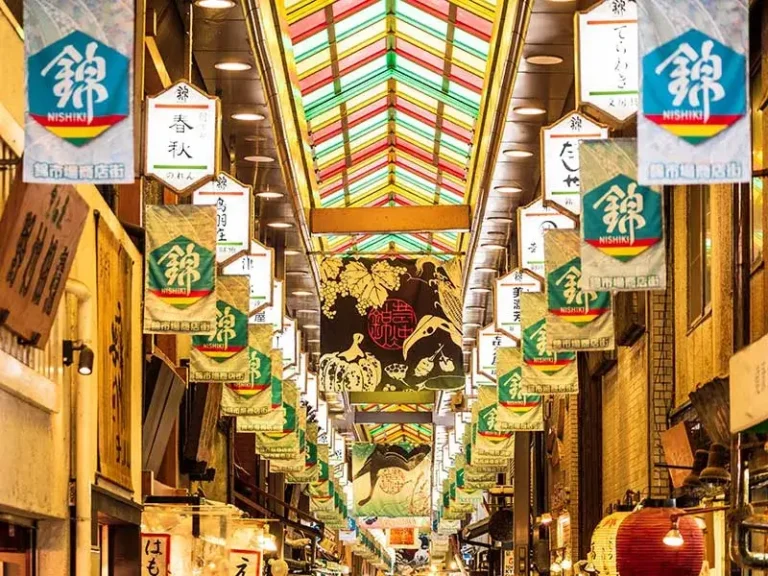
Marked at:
<point>245,562</point>
<point>507,300</point>
<point>114,281</point>
<point>693,126</point>
<point>532,221</point>
<point>518,411</point>
<point>578,318</point>
<point>40,230</point>
<point>287,340</point>
<point>79,125</point>
<point>489,340</point>
<point>183,129</point>
<point>622,230</point>
<point>155,554</point>
<point>232,199</point>
<point>259,266</point>
<point>272,313</point>
<point>560,164</point>
<point>607,74</point>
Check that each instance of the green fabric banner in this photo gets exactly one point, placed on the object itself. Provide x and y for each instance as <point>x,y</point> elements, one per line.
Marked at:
<point>285,443</point>
<point>518,411</point>
<point>489,439</point>
<point>271,420</point>
<point>258,396</point>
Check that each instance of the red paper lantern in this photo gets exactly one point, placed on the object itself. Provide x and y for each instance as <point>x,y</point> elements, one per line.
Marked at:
<point>640,544</point>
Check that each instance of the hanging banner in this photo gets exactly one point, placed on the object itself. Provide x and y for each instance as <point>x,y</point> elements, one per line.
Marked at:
<point>259,266</point>
<point>155,554</point>
<point>391,480</point>
<point>607,75</point>
<point>182,136</point>
<point>79,106</point>
<point>310,471</point>
<point>40,229</point>
<point>577,319</point>
<point>622,222</point>
<point>403,538</point>
<point>489,340</point>
<point>490,440</point>
<point>532,221</point>
<point>272,420</point>
<point>544,372</point>
<point>222,354</point>
<point>274,312</point>
<point>262,393</point>
<point>114,281</point>
<point>477,462</point>
<point>287,341</point>
<point>506,307</point>
<point>391,325</point>
<point>518,411</point>
<point>694,125</point>
<point>232,199</point>
<point>478,378</point>
<point>180,269</point>
<point>469,478</point>
<point>283,461</point>
<point>560,164</point>
<point>284,443</point>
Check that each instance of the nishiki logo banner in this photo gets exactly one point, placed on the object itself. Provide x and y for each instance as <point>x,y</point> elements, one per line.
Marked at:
<point>577,318</point>
<point>391,325</point>
<point>79,75</point>
<point>489,439</point>
<point>518,411</point>
<point>693,126</point>
<point>622,225</point>
<point>180,269</point>
<point>543,371</point>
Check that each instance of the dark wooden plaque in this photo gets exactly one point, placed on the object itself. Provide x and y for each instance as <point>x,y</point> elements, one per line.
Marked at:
<point>39,232</point>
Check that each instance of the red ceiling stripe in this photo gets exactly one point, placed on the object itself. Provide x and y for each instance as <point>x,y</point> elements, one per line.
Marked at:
<point>430,119</point>
<point>433,242</point>
<point>332,170</point>
<point>371,150</point>
<point>457,131</point>
<point>423,156</point>
<point>307,26</point>
<point>346,65</point>
<point>414,55</point>
<point>366,113</point>
<point>437,8</point>
<point>345,8</point>
<point>328,131</point>
<point>474,24</point>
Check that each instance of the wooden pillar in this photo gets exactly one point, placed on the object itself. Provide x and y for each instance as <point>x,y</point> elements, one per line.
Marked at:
<point>522,510</point>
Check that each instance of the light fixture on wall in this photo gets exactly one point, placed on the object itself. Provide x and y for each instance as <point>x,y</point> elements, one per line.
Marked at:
<point>85,360</point>
<point>674,538</point>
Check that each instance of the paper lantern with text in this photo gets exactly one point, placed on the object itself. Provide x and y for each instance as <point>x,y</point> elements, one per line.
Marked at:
<point>640,547</point>
<point>604,543</point>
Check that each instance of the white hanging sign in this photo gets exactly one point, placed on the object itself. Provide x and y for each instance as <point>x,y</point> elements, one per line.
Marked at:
<point>507,304</point>
<point>607,74</point>
<point>287,341</point>
<point>245,562</point>
<point>232,199</point>
<point>560,169</point>
<point>155,554</point>
<point>259,266</point>
<point>183,130</point>
<point>311,395</point>
<point>532,221</point>
<point>489,340</point>
<point>478,378</point>
<point>273,313</point>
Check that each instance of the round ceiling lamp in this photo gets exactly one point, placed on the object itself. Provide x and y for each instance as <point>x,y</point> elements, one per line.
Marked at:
<point>280,225</point>
<point>480,289</point>
<point>529,110</point>
<point>292,252</point>
<point>215,4</point>
<point>517,153</point>
<point>232,66</point>
<point>544,59</point>
<point>311,327</point>
<point>302,293</point>
<point>248,116</point>
<point>508,189</point>
<point>485,269</point>
<point>501,219</point>
<point>259,159</point>
<point>493,246</point>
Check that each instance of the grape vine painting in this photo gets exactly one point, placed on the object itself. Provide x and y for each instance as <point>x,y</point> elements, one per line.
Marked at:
<point>390,325</point>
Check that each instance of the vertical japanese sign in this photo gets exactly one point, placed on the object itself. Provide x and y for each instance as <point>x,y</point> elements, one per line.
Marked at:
<point>258,395</point>
<point>39,231</point>
<point>532,221</point>
<point>245,562</point>
<point>606,58</point>
<point>180,269</point>
<point>232,199</point>
<point>183,127</point>
<point>259,266</point>
<point>287,341</point>
<point>490,440</point>
<point>155,555</point>
<point>693,126</point>
<point>489,340</point>
<point>518,411</point>
<point>622,226</point>
<point>507,299</point>
<point>560,165</point>
<point>114,282</point>
<point>222,354</point>
<point>273,313</point>
<point>79,108</point>
<point>544,371</point>
<point>577,318</point>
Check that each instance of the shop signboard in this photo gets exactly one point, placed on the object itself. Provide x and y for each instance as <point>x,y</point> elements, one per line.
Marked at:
<point>259,266</point>
<point>532,221</point>
<point>507,299</point>
<point>232,199</point>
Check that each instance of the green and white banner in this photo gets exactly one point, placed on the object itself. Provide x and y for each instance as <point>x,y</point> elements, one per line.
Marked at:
<point>490,440</point>
<point>518,411</point>
<point>543,372</point>
<point>577,319</point>
<point>273,396</point>
<point>470,479</point>
<point>279,462</point>
<point>477,462</point>
<point>222,354</point>
<point>180,269</point>
<point>258,395</point>
<point>285,443</point>
<point>622,222</point>
<point>310,470</point>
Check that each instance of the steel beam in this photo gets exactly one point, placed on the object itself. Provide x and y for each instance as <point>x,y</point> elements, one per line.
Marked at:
<point>393,417</point>
<point>383,220</point>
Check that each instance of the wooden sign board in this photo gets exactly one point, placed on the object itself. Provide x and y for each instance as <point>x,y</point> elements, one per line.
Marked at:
<point>676,443</point>
<point>39,232</point>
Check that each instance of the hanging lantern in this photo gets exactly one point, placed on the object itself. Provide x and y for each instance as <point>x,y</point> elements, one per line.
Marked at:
<point>640,547</point>
<point>604,543</point>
